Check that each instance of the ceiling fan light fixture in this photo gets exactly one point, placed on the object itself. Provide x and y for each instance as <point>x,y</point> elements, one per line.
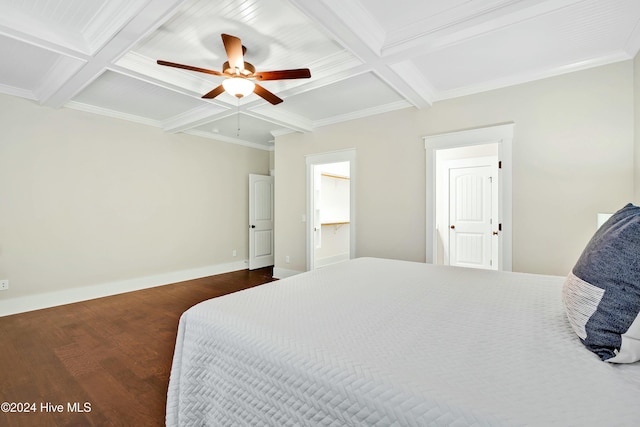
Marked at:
<point>238,86</point>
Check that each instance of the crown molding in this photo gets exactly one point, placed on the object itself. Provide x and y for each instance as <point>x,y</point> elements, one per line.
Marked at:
<point>282,118</point>
<point>534,76</point>
<point>141,120</point>
<point>111,113</point>
<point>397,105</point>
<point>19,92</point>
<point>230,140</point>
<point>282,131</point>
<point>195,117</point>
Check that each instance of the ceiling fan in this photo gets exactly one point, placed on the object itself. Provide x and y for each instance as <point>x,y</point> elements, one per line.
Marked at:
<point>239,75</point>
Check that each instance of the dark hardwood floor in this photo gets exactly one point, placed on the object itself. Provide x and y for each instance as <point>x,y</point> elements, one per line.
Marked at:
<point>106,361</point>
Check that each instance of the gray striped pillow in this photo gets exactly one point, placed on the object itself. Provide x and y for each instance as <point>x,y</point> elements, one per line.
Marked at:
<point>602,293</point>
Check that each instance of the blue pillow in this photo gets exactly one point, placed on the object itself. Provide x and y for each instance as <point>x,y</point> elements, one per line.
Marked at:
<point>602,293</point>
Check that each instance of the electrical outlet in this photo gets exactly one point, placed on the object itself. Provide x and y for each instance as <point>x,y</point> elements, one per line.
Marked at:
<point>234,253</point>
<point>287,259</point>
<point>4,285</point>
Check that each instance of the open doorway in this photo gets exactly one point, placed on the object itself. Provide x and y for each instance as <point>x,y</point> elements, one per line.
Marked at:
<point>470,169</point>
<point>331,213</point>
<point>330,208</point>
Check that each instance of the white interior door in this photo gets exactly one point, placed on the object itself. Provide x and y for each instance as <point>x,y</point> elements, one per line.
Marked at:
<point>437,148</point>
<point>260,221</point>
<point>473,217</point>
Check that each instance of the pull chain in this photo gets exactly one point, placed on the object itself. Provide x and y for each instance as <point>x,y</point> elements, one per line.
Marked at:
<point>238,133</point>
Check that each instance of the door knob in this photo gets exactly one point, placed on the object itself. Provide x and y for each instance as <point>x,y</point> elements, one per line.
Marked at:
<point>495,233</point>
<point>453,227</point>
<point>253,226</point>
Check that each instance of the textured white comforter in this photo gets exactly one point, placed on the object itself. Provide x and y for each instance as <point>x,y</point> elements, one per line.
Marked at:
<point>374,342</point>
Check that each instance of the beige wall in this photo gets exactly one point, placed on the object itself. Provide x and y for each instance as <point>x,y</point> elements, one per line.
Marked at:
<point>87,200</point>
<point>572,157</point>
<point>636,82</point>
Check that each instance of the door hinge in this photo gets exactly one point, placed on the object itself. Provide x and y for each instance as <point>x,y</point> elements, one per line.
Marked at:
<point>500,227</point>
<point>500,164</point>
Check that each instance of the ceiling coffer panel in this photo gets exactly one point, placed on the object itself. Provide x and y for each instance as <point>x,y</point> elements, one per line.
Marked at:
<point>364,57</point>
<point>116,92</point>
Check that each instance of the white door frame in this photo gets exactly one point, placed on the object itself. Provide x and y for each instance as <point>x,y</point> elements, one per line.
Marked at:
<point>348,155</point>
<point>503,136</point>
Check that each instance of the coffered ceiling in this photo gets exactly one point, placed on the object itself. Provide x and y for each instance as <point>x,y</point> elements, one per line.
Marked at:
<point>365,56</point>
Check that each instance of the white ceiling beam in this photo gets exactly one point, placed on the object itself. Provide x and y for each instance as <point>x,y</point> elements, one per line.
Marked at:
<point>633,41</point>
<point>145,21</point>
<point>58,41</point>
<point>360,22</point>
<point>345,28</point>
<point>60,72</point>
<point>413,77</point>
<point>112,17</point>
<point>434,34</point>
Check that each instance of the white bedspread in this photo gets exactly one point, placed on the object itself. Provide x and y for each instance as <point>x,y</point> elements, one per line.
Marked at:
<point>374,342</point>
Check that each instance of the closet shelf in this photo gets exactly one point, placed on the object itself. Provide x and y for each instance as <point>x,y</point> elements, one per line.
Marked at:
<point>330,175</point>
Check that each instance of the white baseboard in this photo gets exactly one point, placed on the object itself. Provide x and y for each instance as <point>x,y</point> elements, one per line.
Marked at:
<point>323,262</point>
<point>283,273</point>
<point>67,296</point>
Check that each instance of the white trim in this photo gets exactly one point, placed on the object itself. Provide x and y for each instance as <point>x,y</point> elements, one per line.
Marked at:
<point>348,155</point>
<point>501,134</point>
<point>16,91</point>
<point>414,77</point>
<point>229,140</point>
<point>195,117</point>
<point>67,296</point>
<point>367,112</point>
<point>529,77</point>
<point>155,123</point>
<point>283,273</point>
<point>358,19</point>
<point>75,105</point>
<point>334,259</point>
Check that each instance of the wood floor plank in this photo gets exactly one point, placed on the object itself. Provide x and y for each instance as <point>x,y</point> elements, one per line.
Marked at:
<point>112,353</point>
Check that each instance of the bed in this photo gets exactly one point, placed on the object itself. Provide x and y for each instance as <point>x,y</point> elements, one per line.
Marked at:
<point>378,342</point>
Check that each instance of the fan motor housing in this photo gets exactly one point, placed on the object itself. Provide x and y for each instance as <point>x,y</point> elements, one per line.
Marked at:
<point>248,71</point>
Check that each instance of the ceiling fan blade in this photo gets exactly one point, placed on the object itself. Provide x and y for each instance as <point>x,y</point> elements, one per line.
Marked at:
<point>189,67</point>
<point>268,96</point>
<point>215,92</point>
<point>300,73</point>
<point>233,47</point>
